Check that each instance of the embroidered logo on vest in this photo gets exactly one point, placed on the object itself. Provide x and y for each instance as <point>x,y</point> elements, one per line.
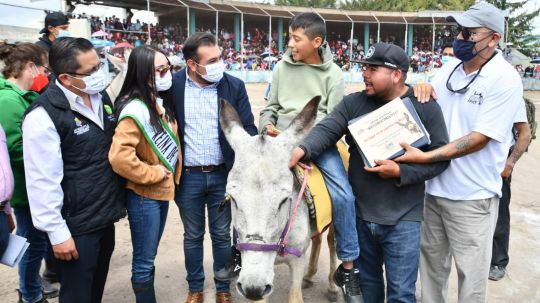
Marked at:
<point>81,128</point>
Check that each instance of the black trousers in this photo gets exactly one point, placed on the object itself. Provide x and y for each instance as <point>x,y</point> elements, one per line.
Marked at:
<point>4,233</point>
<point>501,238</point>
<point>83,280</point>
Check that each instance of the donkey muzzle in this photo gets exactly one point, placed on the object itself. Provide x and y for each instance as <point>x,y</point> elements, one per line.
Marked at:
<point>254,293</point>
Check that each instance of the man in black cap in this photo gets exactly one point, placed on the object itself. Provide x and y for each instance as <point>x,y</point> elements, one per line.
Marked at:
<point>56,26</point>
<point>389,196</point>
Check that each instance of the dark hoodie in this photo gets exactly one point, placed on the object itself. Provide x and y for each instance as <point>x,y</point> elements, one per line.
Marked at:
<point>45,43</point>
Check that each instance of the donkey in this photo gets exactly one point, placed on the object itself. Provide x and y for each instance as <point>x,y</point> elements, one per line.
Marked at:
<point>263,196</point>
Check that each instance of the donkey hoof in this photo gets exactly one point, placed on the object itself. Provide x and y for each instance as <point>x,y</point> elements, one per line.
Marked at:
<point>306,283</point>
<point>332,296</point>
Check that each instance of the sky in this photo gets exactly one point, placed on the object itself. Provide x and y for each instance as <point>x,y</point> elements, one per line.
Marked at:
<point>10,15</point>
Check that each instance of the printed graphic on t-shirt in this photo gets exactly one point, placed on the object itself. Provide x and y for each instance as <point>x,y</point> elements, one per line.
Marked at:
<point>477,97</point>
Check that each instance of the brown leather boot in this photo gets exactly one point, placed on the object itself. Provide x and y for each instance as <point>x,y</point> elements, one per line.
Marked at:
<point>223,297</point>
<point>195,297</point>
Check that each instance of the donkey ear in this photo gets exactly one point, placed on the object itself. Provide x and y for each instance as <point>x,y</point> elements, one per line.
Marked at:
<point>231,125</point>
<point>303,122</point>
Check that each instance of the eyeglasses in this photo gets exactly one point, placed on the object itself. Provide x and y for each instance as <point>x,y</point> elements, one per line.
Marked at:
<point>93,70</point>
<point>163,69</point>
<point>466,87</point>
<point>48,70</point>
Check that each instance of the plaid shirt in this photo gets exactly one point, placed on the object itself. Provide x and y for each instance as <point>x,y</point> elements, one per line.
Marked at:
<point>201,133</point>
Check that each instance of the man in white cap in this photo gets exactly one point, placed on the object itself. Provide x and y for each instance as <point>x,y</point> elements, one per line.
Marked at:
<point>480,95</point>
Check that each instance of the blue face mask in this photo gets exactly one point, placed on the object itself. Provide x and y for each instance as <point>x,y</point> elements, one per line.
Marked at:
<point>63,33</point>
<point>464,50</point>
<point>445,59</point>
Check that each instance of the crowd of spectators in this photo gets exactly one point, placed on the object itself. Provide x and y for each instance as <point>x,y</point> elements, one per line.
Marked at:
<point>531,71</point>
<point>258,54</point>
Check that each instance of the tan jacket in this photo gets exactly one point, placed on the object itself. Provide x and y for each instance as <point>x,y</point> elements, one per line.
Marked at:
<point>132,157</point>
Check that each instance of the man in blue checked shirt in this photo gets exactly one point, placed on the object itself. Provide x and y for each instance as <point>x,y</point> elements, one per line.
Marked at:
<point>207,158</point>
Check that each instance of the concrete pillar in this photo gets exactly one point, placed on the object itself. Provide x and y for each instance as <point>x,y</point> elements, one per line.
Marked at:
<point>192,23</point>
<point>366,37</point>
<point>410,40</point>
<point>280,33</point>
<point>237,33</point>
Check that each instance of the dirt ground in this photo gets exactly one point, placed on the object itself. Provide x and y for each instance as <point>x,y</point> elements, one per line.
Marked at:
<point>520,285</point>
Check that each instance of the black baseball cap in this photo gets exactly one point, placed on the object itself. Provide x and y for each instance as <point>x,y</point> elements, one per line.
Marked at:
<point>387,55</point>
<point>54,19</point>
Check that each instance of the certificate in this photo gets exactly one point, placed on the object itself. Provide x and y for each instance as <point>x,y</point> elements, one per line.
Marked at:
<point>379,133</point>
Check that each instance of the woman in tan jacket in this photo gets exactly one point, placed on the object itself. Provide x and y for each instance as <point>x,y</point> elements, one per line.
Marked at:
<point>146,151</point>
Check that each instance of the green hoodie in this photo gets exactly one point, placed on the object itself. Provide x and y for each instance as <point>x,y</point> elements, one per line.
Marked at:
<point>13,104</point>
<point>294,84</point>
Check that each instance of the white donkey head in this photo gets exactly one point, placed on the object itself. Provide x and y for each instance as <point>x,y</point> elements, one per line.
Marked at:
<point>263,191</point>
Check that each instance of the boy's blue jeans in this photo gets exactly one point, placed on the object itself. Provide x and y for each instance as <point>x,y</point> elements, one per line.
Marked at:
<point>343,208</point>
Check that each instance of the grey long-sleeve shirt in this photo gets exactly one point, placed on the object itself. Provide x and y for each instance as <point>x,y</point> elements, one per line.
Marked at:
<point>381,201</point>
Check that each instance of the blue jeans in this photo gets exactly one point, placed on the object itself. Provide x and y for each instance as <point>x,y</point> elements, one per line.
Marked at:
<point>267,92</point>
<point>398,248</point>
<point>29,279</point>
<point>343,203</point>
<point>198,191</point>
<point>146,222</point>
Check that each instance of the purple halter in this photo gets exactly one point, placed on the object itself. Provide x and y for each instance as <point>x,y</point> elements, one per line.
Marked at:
<point>282,247</point>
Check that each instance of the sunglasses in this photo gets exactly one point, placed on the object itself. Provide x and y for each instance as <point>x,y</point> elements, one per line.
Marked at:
<point>466,33</point>
<point>163,69</point>
<point>466,87</point>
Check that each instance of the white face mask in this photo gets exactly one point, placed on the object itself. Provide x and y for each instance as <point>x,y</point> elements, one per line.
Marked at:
<point>214,71</point>
<point>163,83</point>
<point>94,83</point>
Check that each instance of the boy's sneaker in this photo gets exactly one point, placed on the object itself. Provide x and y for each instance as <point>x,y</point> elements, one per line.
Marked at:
<point>232,268</point>
<point>349,282</point>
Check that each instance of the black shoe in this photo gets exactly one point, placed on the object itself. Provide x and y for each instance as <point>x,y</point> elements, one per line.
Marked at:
<point>232,268</point>
<point>349,282</point>
<point>49,291</point>
<point>496,273</point>
<point>43,299</point>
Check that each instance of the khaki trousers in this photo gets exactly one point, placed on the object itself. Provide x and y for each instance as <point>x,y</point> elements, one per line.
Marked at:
<point>462,230</point>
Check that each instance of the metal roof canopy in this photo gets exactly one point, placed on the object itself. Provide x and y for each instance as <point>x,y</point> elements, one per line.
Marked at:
<point>330,15</point>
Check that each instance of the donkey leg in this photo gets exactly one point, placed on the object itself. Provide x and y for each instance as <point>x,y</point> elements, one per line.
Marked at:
<point>296,267</point>
<point>313,262</point>
<point>332,288</point>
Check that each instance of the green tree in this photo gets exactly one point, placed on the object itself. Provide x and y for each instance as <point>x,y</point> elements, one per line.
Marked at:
<point>308,3</point>
<point>405,5</point>
<point>520,25</point>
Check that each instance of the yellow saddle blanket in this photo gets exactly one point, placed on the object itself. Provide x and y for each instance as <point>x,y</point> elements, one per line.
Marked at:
<point>316,194</point>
